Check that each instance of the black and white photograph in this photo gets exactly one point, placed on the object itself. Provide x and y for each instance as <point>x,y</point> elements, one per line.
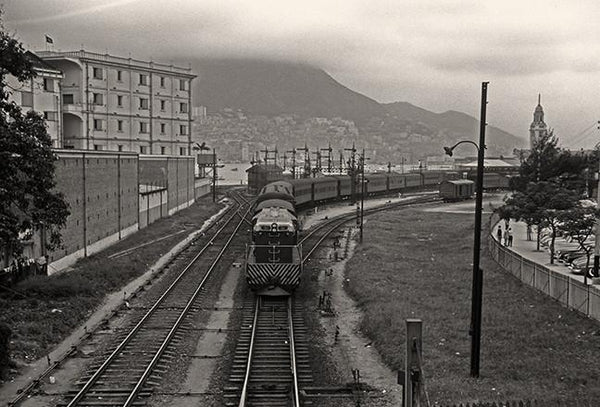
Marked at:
<point>299,203</point>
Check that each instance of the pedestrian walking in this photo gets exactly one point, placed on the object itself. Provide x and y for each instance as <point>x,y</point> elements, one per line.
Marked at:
<point>499,234</point>
<point>509,237</point>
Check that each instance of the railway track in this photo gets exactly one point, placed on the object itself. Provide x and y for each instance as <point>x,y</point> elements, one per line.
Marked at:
<point>313,238</point>
<point>271,360</point>
<point>133,367</point>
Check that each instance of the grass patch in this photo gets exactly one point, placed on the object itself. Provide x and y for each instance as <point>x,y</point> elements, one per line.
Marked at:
<point>51,307</point>
<point>417,264</point>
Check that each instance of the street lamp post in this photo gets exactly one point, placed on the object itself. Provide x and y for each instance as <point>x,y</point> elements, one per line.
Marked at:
<point>597,245</point>
<point>477,288</point>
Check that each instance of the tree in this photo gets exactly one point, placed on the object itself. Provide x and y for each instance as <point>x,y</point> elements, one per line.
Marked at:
<point>547,162</point>
<point>579,224</point>
<point>28,201</point>
<point>542,204</point>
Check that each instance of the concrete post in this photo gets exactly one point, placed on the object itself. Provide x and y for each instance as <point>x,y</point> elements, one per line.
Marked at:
<point>412,368</point>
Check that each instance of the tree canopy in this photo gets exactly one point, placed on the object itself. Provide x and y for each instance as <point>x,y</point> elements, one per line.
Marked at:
<point>28,201</point>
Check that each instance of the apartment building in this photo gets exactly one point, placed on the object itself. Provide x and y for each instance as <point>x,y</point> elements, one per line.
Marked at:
<point>123,104</point>
<point>42,94</point>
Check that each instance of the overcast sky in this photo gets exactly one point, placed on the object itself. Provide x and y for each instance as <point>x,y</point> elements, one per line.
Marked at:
<point>431,53</point>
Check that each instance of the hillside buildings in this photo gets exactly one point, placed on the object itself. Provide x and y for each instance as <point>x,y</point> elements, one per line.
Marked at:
<point>123,104</point>
<point>42,94</point>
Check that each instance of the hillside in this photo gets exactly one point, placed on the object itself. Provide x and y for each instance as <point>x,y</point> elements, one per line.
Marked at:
<point>256,104</point>
<point>273,88</point>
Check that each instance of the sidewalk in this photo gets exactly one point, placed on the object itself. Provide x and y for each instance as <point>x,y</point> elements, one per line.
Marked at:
<point>528,250</point>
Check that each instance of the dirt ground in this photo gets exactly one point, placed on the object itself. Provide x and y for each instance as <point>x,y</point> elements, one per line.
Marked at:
<point>352,349</point>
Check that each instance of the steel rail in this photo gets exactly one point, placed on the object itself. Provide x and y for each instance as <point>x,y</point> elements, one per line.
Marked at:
<point>92,380</point>
<point>339,220</point>
<point>184,312</point>
<point>250,351</point>
<point>296,400</point>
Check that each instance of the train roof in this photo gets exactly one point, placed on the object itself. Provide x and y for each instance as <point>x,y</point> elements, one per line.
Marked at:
<point>459,181</point>
<point>275,203</point>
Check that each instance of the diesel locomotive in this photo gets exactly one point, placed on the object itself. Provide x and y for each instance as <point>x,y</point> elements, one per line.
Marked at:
<point>274,257</point>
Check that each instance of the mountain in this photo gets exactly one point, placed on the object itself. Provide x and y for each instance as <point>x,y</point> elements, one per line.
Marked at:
<point>253,104</point>
<point>459,125</point>
<point>272,88</point>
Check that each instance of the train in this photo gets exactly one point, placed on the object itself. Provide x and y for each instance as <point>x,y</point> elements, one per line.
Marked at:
<point>274,257</point>
<point>273,263</point>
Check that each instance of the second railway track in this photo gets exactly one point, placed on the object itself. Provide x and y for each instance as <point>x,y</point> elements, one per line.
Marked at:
<point>132,368</point>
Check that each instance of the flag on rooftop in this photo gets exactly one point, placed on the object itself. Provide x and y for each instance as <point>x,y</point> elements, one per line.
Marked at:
<point>49,39</point>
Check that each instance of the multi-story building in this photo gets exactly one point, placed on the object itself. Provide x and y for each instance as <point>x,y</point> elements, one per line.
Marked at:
<point>42,94</point>
<point>123,104</point>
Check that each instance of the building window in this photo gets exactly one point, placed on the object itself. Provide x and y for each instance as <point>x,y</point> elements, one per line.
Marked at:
<point>182,151</point>
<point>143,79</point>
<point>143,103</point>
<point>163,150</point>
<point>142,149</point>
<point>120,76</point>
<point>97,147</point>
<point>98,99</point>
<point>163,104</point>
<point>120,100</point>
<point>162,81</point>
<point>119,125</point>
<point>183,129</point>
<point>183,107</point>
<point>27,99</point>
<point>182,84</point>
<point>97,73</point>
<point>48,85</point>
<point>143,127</point>
<point>50,116</point>
<point>163,128</point>
<point>120,147</point>
<point>68,99</point>
<point>98,125</point>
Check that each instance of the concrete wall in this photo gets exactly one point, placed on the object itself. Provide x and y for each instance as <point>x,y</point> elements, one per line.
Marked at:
<point>114,194</point>
<point>568,291</point>
<point>175,173</point>
<point>101,189</point>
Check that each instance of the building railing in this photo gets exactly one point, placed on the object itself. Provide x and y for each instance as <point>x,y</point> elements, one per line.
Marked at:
<point>116,60</point>
<point>570,292</point>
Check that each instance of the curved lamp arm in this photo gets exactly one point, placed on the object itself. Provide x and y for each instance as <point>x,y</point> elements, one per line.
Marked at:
<point>449,150</point>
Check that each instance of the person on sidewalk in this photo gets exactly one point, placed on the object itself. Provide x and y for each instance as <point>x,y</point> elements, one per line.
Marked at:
<point>499,234</point>
<point>509,237</point>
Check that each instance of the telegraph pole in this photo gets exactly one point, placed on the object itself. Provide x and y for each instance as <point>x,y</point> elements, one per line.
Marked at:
<point>293,152</point>
<point>597,246</point>
<point>477,288</point>
<point>352,173</point>
<point>328,149</point>
<point>214,183</point>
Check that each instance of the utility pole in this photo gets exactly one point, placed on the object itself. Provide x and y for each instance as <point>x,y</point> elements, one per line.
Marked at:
<point>306,161</point>
<point>293,152</point>
<point>477,288</point>
<point>214,183</point>
<point>328,149</point>
<point>352,173</point>
<point>362,192</point>
<point>597,246</point>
